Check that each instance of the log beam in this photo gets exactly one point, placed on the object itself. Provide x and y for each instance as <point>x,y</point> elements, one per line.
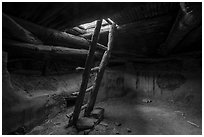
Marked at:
<point>54,37</point>
<point>13,30</point>
<point>187,19</point>
<point>45,49</point>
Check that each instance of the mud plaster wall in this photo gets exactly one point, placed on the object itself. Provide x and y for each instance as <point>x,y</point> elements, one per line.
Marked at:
<point>160,81</point>
<point>29,100</point>
<point>172,86</point>
<point>165,83</point>
<point>112,85</point>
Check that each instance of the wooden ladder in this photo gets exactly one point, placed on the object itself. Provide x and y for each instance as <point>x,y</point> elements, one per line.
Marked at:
<point>86,74</point>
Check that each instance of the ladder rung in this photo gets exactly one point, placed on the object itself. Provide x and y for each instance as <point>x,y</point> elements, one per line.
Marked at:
<point>70,114</point>
<point>100,46</point>
<point>87,90</point>
<point>96,69</point>
<point>72,97</point>
<point>79,68</point>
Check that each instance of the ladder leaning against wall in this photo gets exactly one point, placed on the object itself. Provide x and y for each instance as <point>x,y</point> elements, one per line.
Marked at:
<point>73,117</point>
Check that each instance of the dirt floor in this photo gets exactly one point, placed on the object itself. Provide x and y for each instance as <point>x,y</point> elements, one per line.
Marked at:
<point>128,115</point>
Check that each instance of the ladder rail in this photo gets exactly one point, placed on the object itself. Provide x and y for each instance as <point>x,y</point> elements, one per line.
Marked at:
<point>100,73</point>
<point>86,73</point>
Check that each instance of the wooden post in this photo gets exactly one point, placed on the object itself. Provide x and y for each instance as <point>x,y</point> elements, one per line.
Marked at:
<point>86,73</point>
<point>99,77</point>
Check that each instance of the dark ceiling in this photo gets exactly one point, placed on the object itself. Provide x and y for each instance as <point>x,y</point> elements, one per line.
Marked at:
<point>143,26</point>
<point>62,15</point>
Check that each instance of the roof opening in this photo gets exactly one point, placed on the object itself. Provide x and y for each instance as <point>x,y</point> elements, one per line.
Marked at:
<point>92,24</point>
<point>88,28</point>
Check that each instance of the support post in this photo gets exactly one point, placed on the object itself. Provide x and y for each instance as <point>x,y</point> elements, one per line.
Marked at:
<point>85,76</point>
<point>102,67</point>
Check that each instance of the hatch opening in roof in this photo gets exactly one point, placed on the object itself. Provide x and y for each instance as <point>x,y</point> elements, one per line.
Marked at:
<point>91,25</point>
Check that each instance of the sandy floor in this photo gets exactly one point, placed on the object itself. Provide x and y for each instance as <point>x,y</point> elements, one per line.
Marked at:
<point>135,117</point>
